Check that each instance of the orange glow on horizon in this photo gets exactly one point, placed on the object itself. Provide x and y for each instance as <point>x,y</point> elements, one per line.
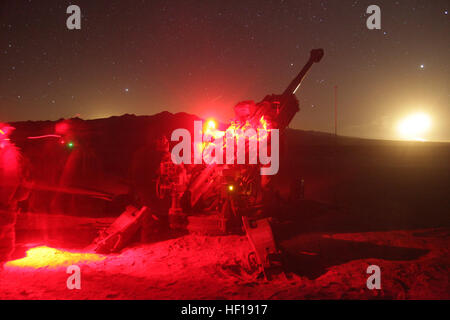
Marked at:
<point>46,257</point>
<point>414,126</point>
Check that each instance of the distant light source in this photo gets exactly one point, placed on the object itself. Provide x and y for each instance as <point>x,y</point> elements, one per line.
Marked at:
<point>70,144</point>
<point>211,124</point>
<point>414,126</point>
<point>231,187</point>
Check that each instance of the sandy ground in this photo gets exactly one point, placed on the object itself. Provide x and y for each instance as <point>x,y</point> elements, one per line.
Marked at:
<point>414,265</point>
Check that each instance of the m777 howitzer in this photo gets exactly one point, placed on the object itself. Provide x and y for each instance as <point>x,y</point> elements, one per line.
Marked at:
<point>279,110</point>
<point>228,186</point>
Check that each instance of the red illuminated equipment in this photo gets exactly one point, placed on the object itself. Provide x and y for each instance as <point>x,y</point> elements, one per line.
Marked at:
<point>5,130</point>
<point>275,111</point>
<point>216,198</point>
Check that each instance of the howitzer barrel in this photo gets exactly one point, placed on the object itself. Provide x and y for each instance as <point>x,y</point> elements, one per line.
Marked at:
<point>287,109</point>
<point>316,56</point>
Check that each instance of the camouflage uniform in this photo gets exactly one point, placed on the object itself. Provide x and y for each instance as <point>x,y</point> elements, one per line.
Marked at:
<point>10,179</point>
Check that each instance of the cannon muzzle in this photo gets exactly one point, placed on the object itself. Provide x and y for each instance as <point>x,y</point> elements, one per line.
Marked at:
<point>315,56</point>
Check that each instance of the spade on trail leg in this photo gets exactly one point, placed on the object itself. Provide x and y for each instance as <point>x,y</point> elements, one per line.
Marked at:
<point>121,232</point>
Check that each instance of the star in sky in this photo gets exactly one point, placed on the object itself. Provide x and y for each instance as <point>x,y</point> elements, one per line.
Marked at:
<point>177,57</point>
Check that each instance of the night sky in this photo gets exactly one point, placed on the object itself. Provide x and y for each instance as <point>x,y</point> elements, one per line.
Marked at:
<point>202,57</point>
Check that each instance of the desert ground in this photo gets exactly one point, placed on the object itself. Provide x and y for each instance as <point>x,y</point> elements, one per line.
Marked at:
<point>321,265</point>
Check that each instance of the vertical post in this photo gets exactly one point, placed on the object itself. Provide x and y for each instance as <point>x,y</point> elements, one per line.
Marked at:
<point>335,109</point>
<point>335,145</point>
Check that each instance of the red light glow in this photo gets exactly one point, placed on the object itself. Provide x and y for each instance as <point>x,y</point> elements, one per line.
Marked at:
<point>46,257</point>
<point>211,124</point>
<point>45,136</point>
<point>62,127</point>
<point>237,129</point>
